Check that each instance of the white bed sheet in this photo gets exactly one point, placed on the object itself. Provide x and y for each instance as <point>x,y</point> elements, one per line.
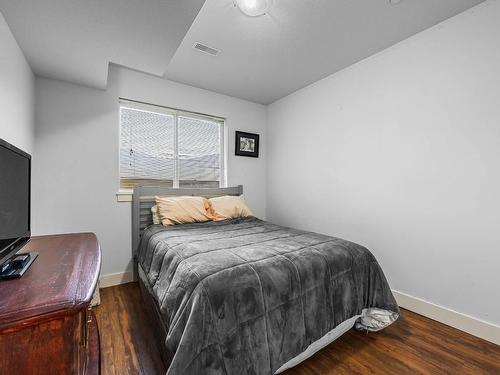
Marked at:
<point>371,319</point>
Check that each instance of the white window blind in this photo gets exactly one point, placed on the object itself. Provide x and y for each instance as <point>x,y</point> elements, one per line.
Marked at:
<point>171,147</point>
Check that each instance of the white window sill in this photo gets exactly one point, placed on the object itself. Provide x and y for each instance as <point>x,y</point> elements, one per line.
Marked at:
<point>124,195</point>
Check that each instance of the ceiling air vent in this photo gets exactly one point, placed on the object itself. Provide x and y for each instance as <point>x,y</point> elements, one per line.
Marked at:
<point>206,49</point>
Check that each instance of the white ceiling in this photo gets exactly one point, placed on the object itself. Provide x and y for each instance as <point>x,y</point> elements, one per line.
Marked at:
<point>297,43</point>
<point>75,40</point>
<point>262,59</point>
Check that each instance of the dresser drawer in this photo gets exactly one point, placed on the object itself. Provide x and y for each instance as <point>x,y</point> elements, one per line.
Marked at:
<point>93,345</point>
<point>87,316</point>
<point>47,347</point>
<point>89,339</point>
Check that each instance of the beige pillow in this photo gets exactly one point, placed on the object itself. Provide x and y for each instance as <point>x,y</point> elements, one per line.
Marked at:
<point>229,207</point>
<point>155,214</point>
<point>183,210</point>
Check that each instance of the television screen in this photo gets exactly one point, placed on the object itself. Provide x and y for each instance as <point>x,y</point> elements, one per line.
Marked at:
<point>15,169</point>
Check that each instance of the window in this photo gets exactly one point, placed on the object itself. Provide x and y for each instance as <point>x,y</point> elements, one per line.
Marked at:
<point>168,146</point>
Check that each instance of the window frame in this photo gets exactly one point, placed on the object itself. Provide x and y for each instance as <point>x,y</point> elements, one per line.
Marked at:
<point>124,194</point>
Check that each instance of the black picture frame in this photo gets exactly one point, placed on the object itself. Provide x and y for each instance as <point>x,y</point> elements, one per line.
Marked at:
<point>246,144</point>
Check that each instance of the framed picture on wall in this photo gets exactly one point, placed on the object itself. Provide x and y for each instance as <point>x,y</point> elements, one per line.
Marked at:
<point>247,144</point>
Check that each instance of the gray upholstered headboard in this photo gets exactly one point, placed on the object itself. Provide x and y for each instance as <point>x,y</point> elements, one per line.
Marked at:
<point>144,199</point>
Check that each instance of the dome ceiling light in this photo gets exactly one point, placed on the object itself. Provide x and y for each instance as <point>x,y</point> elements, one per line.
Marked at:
<point>254,8</point>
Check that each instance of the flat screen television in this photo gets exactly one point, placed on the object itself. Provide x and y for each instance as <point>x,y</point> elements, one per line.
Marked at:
<point>15,207</point>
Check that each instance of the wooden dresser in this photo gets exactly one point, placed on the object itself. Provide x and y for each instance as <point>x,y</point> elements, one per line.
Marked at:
<point>46,323</point>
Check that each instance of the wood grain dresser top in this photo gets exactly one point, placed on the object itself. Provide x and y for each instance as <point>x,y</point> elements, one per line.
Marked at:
<point>60,281</point>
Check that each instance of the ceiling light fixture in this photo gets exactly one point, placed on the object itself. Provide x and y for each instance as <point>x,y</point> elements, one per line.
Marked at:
<point>254,8</point>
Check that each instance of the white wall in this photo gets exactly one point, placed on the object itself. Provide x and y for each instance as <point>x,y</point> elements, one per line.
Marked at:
<point>401,153</point>
<point>76,171</point>
<point>17,92</point>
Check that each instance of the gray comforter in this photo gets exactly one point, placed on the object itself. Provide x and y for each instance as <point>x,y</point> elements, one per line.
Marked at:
<point>246,296</point>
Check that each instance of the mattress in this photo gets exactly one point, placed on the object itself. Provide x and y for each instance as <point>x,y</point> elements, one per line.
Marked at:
<point>246,296</point>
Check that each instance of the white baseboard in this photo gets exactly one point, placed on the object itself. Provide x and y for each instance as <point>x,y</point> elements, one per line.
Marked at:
<point>116,279</point>
<point>477,327</point>
<point>480,328</point>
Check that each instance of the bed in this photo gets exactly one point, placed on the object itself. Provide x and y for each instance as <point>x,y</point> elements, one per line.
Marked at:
<point>245,296</point>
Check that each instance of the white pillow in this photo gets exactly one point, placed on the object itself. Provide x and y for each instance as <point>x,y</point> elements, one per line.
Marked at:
<point>229,207</point>
<point>155,214</point>
<point>183,210</point>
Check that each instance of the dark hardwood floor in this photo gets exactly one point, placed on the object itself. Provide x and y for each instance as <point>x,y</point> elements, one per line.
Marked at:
<point>412,345</point>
